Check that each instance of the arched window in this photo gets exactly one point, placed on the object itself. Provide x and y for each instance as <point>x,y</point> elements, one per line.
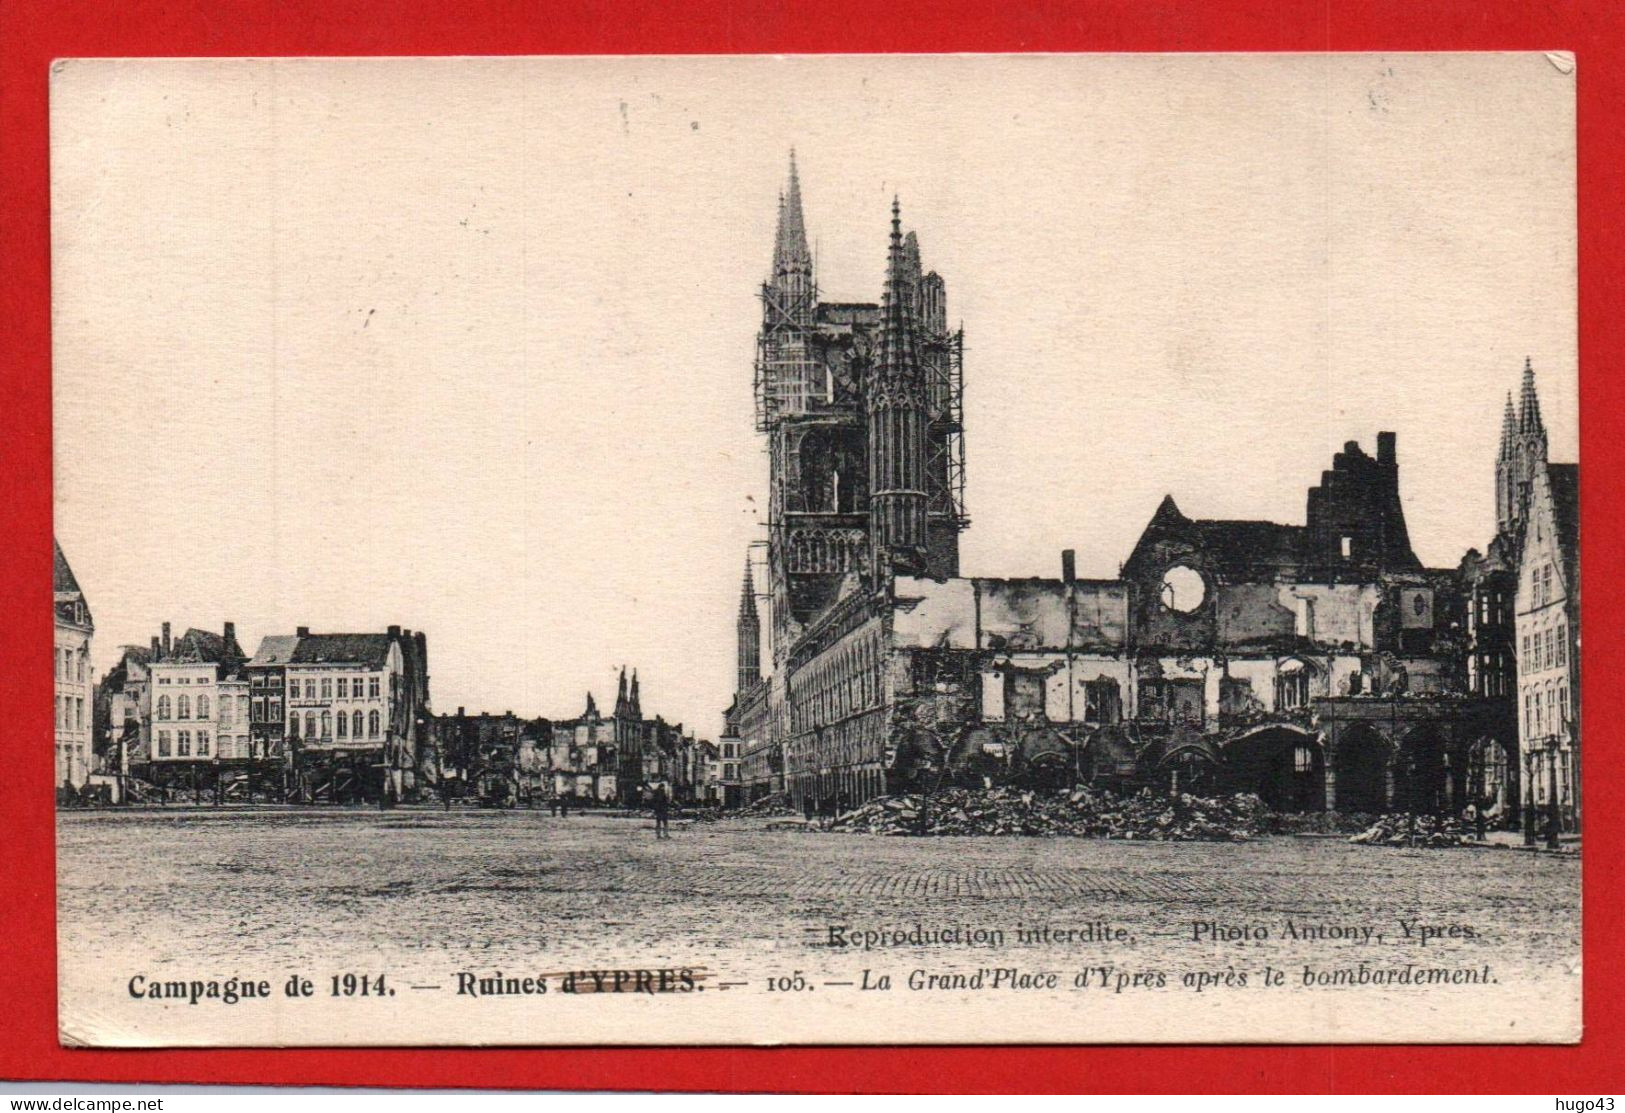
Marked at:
<point>163,711</point>
<point>293,726</point>
<point>183,707</point>
<point>372,724</point>
<point>344,724</point>
<point>203,707</point>
<point>355,724</point>
<point>1292,685</point>
<point>310,724</point>
<point>327,724</point>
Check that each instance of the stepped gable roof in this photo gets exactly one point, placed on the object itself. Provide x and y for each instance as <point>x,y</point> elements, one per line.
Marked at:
<point>1565,484</point>
<point>275,649</point>
<point>1565,480</point>
<point>371,650</point>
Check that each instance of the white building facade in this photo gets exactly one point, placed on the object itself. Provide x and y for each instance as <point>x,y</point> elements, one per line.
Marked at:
<point>342,704</point>
<point>72,670</point>
<point>1547,631</point>
<point>190,679</point>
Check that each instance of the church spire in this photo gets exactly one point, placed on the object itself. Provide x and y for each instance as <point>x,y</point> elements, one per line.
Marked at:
<point>749,627</point>
<point>1529,414</point>
<point>897,305</point>
<point>747,594</point>
<point>1523,453</point>
<point>792,262</point>
<point>633,702</point>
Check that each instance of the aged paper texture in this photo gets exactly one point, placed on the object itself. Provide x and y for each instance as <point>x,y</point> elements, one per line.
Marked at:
<point>816,550</point>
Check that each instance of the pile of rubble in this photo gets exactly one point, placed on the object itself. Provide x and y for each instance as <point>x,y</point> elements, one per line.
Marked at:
<point>1084,812</point>
<point>774,803</point>
<point>1417,830</point>
<point>1323,823</point>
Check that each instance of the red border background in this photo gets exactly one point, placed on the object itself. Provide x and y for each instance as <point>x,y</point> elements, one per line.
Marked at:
<point>32,32</point>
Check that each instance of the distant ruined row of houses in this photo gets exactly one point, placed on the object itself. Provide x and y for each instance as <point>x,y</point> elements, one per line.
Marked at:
<point>593,758</point>
<point>316,718</point>
<point>1319,665</point>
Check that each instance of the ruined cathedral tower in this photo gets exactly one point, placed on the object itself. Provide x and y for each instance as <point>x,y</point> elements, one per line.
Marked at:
<point>861,407</point>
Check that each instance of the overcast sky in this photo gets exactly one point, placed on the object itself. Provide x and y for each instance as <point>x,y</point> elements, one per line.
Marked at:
<point>466,345</point>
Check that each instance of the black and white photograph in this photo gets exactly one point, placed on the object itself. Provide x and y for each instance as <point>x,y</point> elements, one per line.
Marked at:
<point>816,550</point>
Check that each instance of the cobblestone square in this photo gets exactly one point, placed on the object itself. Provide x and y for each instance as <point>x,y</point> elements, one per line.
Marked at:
<point>423,893</point>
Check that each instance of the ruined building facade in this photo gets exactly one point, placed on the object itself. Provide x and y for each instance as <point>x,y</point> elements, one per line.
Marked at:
<point>1320,665</point>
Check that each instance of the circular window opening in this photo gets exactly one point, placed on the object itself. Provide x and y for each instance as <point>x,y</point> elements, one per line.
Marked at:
<point>1183,589</point>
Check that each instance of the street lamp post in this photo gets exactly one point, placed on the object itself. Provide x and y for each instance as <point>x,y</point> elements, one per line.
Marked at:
<point>1530,765</point>
<point>1477,778</point>
<point>1553,815</point>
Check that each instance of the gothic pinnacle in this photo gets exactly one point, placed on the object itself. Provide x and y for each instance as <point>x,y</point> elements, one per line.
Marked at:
<point>1529,403</point>
<point>791,259</point>
<point>747,593</point>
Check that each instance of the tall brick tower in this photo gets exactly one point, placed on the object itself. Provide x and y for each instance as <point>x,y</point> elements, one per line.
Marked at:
<point>811,359</point>
<point>860,404</point>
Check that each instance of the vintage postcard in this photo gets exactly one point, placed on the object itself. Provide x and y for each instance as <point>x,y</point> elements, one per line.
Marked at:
<point>1063,549</point>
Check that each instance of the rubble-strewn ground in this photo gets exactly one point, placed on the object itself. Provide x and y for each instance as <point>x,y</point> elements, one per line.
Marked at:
<point>1082,811</point>
<point>421,892</point>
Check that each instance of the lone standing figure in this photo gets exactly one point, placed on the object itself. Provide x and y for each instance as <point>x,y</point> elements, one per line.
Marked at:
<point>662,808</point>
